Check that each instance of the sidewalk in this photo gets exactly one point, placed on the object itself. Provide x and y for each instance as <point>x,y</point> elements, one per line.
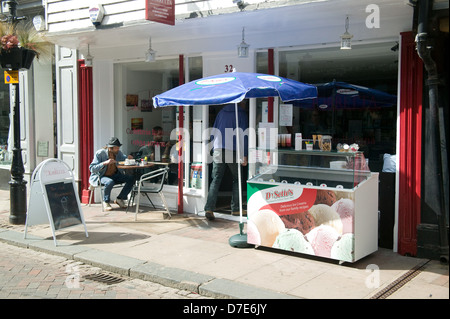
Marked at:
<point>191,253</point>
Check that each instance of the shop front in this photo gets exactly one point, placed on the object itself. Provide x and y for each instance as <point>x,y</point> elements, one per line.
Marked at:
<point>372,127</point>
<point>304,45</point>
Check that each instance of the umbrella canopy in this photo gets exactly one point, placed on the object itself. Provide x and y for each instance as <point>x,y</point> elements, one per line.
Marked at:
<point>344,95</point>
<point>233,88</point>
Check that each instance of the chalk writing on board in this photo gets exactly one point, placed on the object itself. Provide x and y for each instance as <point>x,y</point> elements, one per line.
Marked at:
<point>63,205</point>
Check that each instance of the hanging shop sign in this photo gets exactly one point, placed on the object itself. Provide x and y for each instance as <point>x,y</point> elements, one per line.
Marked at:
<point>161,11</point>
<point>53,197</point>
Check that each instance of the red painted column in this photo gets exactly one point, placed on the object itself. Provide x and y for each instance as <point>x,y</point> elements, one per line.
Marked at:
<point>180,138</point>
<point>86,128</point>
<point>410,154</point>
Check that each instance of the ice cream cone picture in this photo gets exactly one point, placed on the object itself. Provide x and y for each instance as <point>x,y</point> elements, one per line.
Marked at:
<point>269,226</point>
<point>315,222</point>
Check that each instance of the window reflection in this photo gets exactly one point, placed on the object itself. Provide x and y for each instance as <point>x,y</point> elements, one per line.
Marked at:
<point>374,66</point>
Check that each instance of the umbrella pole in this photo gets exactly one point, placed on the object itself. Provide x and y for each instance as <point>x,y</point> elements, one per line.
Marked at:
<point>238,146</point>
<point>239,240</point>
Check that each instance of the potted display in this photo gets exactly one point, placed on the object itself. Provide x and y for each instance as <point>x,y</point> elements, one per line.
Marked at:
<point>19,45</point>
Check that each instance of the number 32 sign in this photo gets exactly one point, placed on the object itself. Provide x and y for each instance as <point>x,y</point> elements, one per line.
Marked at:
<point>229,68</point>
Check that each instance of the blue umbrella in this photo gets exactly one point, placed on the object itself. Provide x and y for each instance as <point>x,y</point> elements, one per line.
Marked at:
<point>342,95</point>
<point>233,88</point>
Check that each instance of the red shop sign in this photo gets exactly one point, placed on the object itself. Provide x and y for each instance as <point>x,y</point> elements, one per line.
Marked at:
<point>162,11</point>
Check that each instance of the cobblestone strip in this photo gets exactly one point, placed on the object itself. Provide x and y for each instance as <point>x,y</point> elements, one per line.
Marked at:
<point>29,274</point>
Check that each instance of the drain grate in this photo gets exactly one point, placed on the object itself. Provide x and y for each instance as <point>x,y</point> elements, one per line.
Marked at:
<point>400,282</point>
<point>104,278</point>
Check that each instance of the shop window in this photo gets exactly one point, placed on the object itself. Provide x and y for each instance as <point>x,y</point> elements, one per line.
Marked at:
<point>152,132</point>
<point>262,65</point>
<point>194,117</point>
<point>374,66</point>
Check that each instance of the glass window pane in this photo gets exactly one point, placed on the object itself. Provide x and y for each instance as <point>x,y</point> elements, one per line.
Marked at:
<point>194,116</point>
<point>372,127</point>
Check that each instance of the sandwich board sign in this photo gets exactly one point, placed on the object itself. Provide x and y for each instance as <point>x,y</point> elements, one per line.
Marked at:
<point>53,197</point>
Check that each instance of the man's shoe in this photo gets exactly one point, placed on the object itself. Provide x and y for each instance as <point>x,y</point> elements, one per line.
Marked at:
<point>209,215</point>
<point>244,213</point>
<point>120,202</point>
<point>107,206</point>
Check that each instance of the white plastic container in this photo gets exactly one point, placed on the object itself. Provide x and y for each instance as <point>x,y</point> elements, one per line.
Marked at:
<point>338,164</point>
<point>298,141</point>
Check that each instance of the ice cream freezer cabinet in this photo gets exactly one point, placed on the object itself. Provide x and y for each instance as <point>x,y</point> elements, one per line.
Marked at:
<point>288,212</point>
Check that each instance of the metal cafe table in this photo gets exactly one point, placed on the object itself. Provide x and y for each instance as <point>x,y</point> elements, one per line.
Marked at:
<point>136,166</point>
<point>140,175</point>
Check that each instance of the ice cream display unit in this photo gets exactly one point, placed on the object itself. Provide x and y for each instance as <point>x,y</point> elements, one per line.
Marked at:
<point>320,203</point>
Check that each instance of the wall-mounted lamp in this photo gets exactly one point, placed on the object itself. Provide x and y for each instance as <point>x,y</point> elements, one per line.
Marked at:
<point>88,59</point>
<point>346,38</point>
<point>150,55</point>
<point>39,23</point>
<point>243,47</point>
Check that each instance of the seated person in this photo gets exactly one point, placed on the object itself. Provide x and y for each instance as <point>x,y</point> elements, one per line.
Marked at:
<point>104,170</point>
<point>158,150</point>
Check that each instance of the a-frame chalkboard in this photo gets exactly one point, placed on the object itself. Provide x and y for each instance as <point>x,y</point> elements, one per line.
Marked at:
<point>53,197</point>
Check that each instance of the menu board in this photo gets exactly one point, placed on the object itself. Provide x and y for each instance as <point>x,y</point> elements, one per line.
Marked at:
<point>63,205</point>
<point>53,197</point>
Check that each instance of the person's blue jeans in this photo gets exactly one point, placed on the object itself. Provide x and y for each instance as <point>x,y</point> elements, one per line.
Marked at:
<point>220,159</point>
<point>117,178</point>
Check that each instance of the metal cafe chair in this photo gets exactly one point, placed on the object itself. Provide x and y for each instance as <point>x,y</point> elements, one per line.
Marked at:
<point>143,186</point>
<point>92,188</point>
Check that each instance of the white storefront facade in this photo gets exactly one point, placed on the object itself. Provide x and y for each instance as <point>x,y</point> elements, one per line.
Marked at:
<point>205,37</point>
